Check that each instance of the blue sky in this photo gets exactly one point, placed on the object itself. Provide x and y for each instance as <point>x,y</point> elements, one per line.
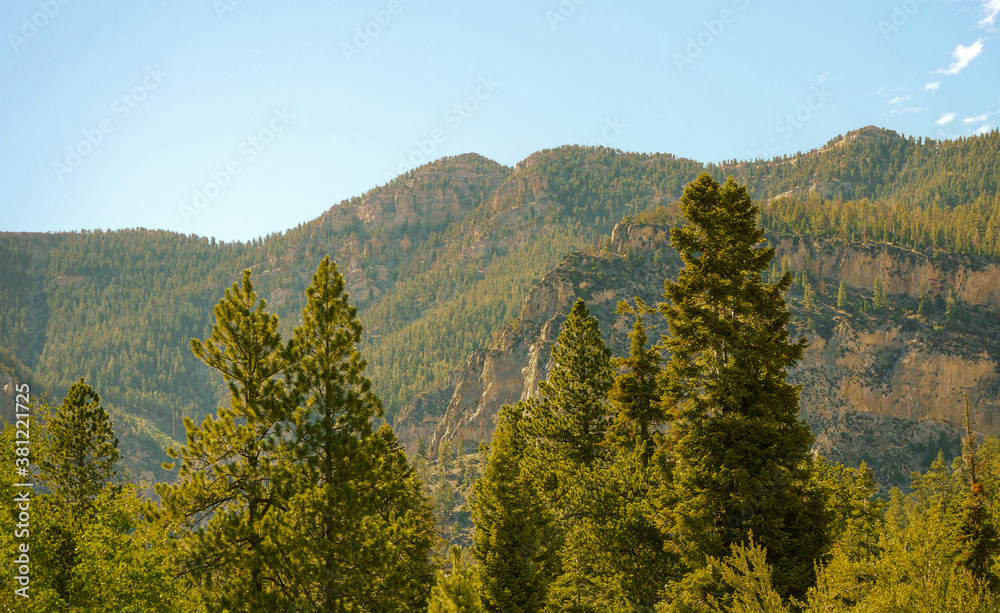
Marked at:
<point>237,118</point>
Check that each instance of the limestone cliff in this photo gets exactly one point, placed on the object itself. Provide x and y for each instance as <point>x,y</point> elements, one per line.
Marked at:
<point>884,388</point>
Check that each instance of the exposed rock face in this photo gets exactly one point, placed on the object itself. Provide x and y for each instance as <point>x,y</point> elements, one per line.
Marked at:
<point>510,369</point>
<point>888,394</point>
<point>418,420</point>
<point>902,271</point>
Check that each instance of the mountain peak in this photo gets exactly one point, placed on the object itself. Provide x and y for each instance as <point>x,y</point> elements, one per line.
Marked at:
<point>867,134</point>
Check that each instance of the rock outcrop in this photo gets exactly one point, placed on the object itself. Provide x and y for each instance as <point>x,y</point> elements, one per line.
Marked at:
<point>887,392</point>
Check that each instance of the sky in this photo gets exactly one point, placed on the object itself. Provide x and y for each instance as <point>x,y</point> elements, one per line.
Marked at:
<point>238,118</point>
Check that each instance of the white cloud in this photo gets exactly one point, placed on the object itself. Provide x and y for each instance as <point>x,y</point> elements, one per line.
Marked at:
<point>908,109</point>
<point>976,119</point>
<point>984,129</point>
<point>932,87</point>
<point>963,55</point>
<point>992,9</point>
<point>899,99</point>
<point>945,119</point>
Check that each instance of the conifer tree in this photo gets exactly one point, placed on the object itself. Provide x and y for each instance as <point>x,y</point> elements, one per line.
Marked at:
<point>77,462</point>
<point>356,519</point>
<point>515,539</point>
<point>977,542</point>
<point>634,394</point>
<point>739,455</point>
<point>572,417</point>
<point>81,448</point>
<point>458,591</point>
<point>951,311</point>
<point>225,489</point>
<point>842,299</point>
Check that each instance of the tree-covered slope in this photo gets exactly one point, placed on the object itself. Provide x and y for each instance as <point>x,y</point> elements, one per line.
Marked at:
<point>439,259</point>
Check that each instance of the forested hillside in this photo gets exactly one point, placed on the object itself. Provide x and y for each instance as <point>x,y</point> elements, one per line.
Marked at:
<point>671,469</point>
<point>441,258</point>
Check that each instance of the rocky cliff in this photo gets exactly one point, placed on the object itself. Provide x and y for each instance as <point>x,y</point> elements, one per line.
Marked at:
<point>880,387</point>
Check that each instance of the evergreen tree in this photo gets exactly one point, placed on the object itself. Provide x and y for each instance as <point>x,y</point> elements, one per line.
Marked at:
<point>225,489</point>
<point>572,418</point>
<point>634,393</point>
<point>880,298</point>
<point>81,449</point>
<point>739,455</point>
<point>515,540</point>
<point>951,312</point>
<point>355,517</point>
<point>977,542</point>
<point>842,298</point>
<point>77,462</point>
<point>808,297</point>
<point>458,591</point>
<point>924,303</point>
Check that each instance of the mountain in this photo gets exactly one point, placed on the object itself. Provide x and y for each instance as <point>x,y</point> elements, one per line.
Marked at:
<point>879,385</point>
<point>440,259</point>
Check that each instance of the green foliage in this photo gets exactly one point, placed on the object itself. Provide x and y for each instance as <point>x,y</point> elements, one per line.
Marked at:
<point>224,488</point>
<point>739,454</point>
<point>748,575</point>
<point>458,591</point>
<point>571,419</point>
<point>634,395</point>
<point>353,512</point>
<point>80,449</point>
<point>842,299</point>
<point>515,539</point>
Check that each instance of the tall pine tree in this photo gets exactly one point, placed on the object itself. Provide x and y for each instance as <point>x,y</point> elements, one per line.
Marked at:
<point>572,417</point>
<point>739,454</point>
<point>81,448</point>
<point>356,519</point>
<point>225,490</point>
<point>515,538</point>
<point>78,459</point>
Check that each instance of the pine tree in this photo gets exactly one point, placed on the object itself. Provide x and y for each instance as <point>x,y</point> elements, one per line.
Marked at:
<point>842,299</point>
<point>515,539</point>
<point>924,302</point>
<point>977,542</point>
<point>572,417</point>
<point>880,298</point>
<point>951,312</point>
<point>356,519</point>
<point>739,455</point>
<point>458,591</point>
<point>225,490</point>
<point>77,462</point>
<point>81,449</point>
<point>808,297</point>
<point>634,394</point>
